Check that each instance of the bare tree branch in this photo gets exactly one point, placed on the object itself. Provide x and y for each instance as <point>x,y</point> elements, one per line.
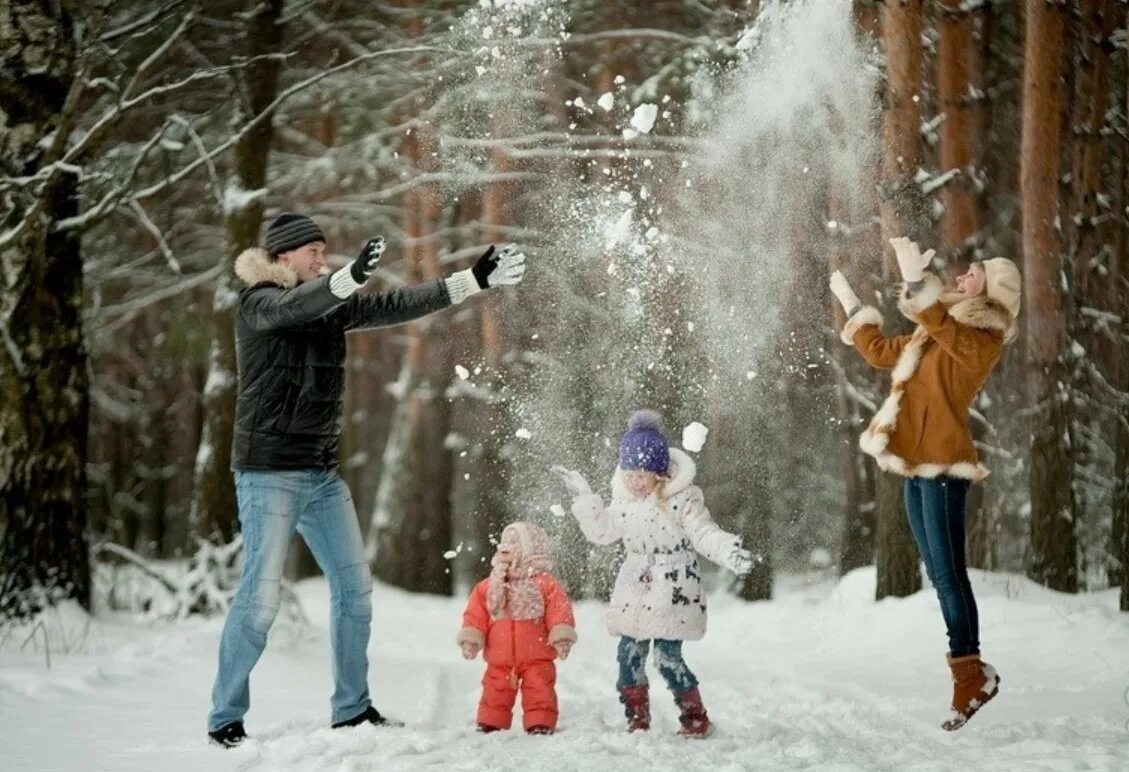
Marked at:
<point>150,226</point>
<point>282,97</point>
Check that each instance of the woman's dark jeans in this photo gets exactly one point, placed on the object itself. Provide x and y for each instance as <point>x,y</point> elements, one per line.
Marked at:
<point>935,508</point>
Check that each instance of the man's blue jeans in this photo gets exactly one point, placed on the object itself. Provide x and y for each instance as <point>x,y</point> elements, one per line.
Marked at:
<point>272,506</point>
<point>935,507</point>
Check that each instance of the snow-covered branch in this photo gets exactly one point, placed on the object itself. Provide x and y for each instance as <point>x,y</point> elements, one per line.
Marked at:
<point>268,110</point>
<point>931,183</point>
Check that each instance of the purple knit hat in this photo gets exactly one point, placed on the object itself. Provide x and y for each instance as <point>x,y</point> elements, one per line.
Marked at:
<point>644,446</point>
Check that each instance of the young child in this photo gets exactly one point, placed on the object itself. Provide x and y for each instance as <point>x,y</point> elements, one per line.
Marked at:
<point>522,616</point>
<point>662,519</point>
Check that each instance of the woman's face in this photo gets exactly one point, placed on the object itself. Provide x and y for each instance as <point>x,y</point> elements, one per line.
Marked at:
<point>640,482</point>
<point>972,282</point>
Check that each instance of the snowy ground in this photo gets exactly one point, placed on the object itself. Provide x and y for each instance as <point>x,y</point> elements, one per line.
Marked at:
<point>820,679</point>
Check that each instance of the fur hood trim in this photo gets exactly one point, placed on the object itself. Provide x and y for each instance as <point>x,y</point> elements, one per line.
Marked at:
<point>979,311</point>
<point>254,266</point>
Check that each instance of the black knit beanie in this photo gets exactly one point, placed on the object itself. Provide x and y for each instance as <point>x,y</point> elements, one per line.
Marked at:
<point>290,231</point>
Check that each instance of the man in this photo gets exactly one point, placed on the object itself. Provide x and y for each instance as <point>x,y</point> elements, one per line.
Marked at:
<point>290,346</point>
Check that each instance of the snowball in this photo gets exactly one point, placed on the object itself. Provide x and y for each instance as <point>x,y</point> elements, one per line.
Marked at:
<point>820,558</point>
<point>462,372</point>
<point>523,433</point>
<point>557,510</point>
<point>643,119</point>
<point>606,101</point>
<point>450,555</point>
<point>694,437</point>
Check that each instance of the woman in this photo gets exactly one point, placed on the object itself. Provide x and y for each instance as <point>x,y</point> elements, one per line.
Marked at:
<point>921,430</point>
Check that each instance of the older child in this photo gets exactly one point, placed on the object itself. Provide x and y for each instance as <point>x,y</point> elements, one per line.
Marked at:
<point>662,519</point>
<point>522,616</point>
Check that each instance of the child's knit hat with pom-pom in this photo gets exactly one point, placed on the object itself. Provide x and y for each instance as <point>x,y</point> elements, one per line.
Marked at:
<point>644,446</point>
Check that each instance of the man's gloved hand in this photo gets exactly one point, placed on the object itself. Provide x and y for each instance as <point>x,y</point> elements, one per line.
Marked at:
<point>365,264</point>
<point>470,650</point>
<point>563,648</point>
<point>574,481</point>
<point>911,262</point>
<point>494,269</point>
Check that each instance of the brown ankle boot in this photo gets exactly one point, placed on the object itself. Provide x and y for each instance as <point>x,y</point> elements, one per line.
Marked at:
<point>974,683</point>
<point>637,707</point>
<point>695,722</point>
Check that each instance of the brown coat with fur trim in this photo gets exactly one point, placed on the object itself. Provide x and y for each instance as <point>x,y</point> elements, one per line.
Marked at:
<point>921,430</point>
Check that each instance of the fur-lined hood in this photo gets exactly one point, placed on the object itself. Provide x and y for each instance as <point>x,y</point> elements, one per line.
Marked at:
<point>682,471</point>
<point>254,266</point>
<point>979,311</point>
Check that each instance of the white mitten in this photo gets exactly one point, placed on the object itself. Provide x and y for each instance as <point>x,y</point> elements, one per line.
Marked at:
<point>511,267</point>
<point>574,481</point>
<point>740,560</point>
<point>842,290</point>
<point>911,262</point>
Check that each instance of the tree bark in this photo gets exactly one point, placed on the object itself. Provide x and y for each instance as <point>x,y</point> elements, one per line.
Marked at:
<point>957,141</point>
<point>213,513</point>
<point>903,214</point>
<point>1088,253</point>
<point>44,388</point>
<point>1053,538</point>
<point>1120,280</point>
<point>956,152</point>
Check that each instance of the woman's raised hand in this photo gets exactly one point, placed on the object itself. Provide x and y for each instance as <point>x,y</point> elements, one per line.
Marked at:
<point>842,290</point>
<point>911,262</point>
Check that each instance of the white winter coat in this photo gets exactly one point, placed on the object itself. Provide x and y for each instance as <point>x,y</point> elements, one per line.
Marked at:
<point>658,592</point>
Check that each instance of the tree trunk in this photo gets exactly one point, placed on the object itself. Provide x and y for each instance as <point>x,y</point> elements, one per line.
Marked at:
<point>957,142</point>
<point>1089,255</point>
<point>44,384</point>
<point>1053,538</point>
<point>491,512</point>
<point>856,544</point>
<point>411,528</point>
<point>1119,278</point>
<point>754,516</point>
<point>903,214</point>
<point>213,513</point>
<point>957,151</point>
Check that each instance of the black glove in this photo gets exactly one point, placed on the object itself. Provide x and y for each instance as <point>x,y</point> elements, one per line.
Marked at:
<point>365,264</point>
<point>484,266</point>
<point>505,267</point>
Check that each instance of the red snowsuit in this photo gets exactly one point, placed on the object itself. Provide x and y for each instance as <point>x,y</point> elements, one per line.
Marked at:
<point>519,653</point>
